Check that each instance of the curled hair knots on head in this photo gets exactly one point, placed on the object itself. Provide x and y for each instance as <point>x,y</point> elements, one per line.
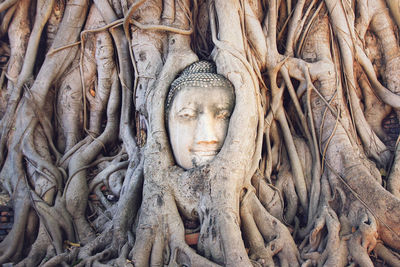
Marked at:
<point>200,67</point>
<point>201,74</point>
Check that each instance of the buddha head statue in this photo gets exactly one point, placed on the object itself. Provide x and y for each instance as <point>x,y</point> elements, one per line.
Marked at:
<point>198,108</point>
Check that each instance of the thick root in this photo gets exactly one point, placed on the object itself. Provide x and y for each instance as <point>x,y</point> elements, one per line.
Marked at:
<point>266,235</point>
<point>160,237</point>
<point>390,257</point>
<point>335,251</point>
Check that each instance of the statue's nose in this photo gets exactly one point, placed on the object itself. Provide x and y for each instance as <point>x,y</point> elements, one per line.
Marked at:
<point>205,132</point>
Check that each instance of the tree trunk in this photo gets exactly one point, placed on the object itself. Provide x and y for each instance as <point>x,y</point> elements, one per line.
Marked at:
<point>306,174</point>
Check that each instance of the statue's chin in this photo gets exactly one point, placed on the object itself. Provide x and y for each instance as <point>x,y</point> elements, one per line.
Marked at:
<point>201,158</point>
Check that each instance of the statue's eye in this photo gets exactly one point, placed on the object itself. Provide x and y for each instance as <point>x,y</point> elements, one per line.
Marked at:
<point>223,114</point>
<point>187,113</point>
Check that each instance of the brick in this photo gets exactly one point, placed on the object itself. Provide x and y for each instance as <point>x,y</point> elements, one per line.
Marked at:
<point>3,219</point>
<point>4,208</point>
<point>5,226</point>
<point>192,239</point>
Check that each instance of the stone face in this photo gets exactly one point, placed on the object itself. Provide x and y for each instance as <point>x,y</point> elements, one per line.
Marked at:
<point>198,122</point>
<point>198,108</point>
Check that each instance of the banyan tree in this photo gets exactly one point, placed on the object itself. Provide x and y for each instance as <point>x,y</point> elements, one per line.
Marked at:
<point>200,133</point>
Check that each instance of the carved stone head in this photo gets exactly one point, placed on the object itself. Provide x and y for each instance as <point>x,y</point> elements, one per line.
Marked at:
<point>198,108</point>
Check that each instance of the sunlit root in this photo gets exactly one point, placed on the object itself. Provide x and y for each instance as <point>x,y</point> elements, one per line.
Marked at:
<point>285,185</point>
<point>382,25</point>
<point>389,256</point>
<point>125,75</point>
<point>129,201</point>
<point>106,72</point>
<point>39,248</point>
<point>61,259</point>
<point>76,192</point>
<point>69,112</point>
<point>81,73</point>
<point>375,110</point>
<point>42,14</point>
<point>274,146</point>
<point>97,258</point>
<point>267,236</point>
<point>268,195</point>
<point>98,244</point>
<point>19,30</point>
<point>393,182</point>
<point>160,236</point>
<point>13,243</point>
<point>53,23</point>
<point>147,48</point>
<point>363,240</point>
<point>103,177</point>
<point>330,250</point>
<point>373,146</point>
<point>58,221</point>
<point>32,144</point>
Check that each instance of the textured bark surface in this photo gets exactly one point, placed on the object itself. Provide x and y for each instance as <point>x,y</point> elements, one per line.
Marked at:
<point>309,173</point>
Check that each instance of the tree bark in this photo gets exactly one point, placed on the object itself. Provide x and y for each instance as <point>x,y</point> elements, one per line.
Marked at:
<point>306,175</point>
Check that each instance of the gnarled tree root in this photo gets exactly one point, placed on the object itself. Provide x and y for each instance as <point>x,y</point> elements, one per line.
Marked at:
<point>267,236</point>
<point>160,236</point>
<point>335,252</point>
